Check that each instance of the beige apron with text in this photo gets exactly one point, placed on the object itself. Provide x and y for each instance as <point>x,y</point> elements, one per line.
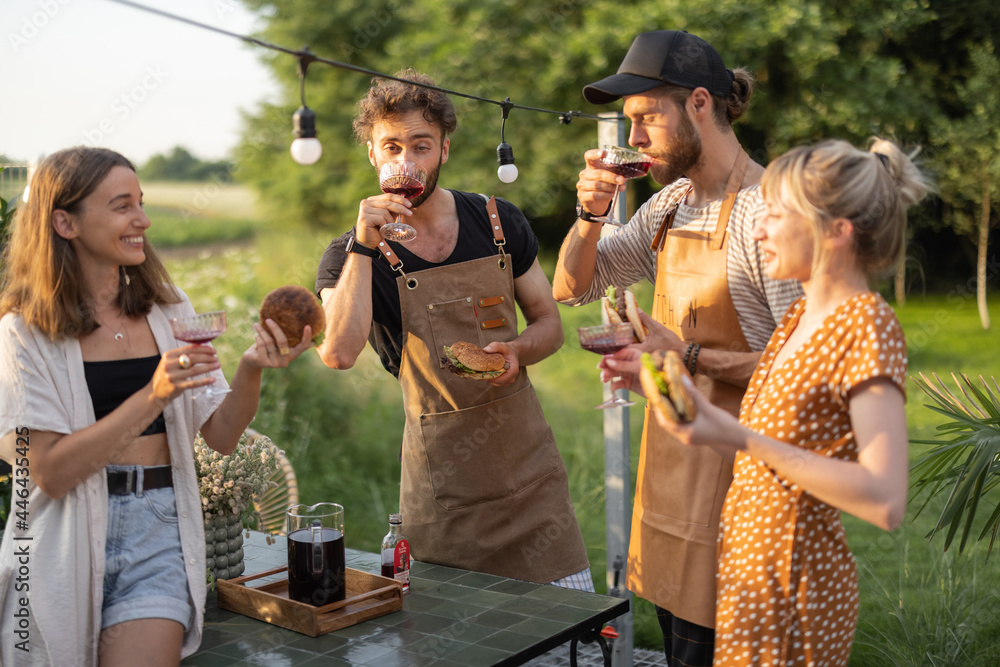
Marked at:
<point>680,489</point>
<point>483,485</point>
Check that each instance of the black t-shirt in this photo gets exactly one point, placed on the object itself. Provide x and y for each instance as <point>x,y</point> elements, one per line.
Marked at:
<point>475,240</point>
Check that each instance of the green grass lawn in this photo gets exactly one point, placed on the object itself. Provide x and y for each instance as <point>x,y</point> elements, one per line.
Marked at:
<point>342,429</point>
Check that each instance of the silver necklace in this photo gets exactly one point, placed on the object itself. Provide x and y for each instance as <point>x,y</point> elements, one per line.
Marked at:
<point>118,334</point>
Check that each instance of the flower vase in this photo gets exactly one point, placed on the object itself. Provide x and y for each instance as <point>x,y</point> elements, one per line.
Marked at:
<point>224,546</point>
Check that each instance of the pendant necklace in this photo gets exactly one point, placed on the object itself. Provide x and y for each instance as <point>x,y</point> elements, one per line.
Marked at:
<point>118,334</point>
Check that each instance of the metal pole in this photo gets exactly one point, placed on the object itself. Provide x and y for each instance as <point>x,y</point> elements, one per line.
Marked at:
<point>617,460</point>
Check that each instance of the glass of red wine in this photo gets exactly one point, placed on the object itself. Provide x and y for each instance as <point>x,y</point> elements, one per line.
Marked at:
<point>401,178</point>
<point>201,329</point>
<point>608,339</point>
<point>624,162</point>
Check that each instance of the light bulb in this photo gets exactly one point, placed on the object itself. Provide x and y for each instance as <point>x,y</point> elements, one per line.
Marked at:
<point>507,173</point>
<point>24,196</point>
<point>306,150</point>
<point>505,156</point>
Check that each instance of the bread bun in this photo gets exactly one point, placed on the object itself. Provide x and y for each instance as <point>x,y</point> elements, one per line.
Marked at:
<point>620,306</point>
<point>662,379</point>
<point>292,307</point>
<point>632,311</point>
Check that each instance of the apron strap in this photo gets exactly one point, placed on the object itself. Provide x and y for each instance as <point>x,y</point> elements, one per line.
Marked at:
<point>395,263</point>
<point>668,221</point>
<point>732,189</point>
<point>497,228</point>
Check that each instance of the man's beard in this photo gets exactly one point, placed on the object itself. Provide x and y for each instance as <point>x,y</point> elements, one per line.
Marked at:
<point>429,186</point>
<point>681,153</point>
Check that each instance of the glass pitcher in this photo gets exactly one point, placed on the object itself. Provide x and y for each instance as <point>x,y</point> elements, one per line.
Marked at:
<point>316,562</point>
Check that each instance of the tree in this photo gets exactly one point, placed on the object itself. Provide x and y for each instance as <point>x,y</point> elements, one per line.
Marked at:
<point>822,73</point>
<point>180,165</point>
<point>968,156</point>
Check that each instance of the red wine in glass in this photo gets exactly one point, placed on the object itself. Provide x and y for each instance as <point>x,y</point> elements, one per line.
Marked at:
<point>607,339</point>
<point>631,169</point>
<point>624,162</point>
<point>198,339</point>
<point>401,178</point>
<point>200,329</point>
<point>411,189</point>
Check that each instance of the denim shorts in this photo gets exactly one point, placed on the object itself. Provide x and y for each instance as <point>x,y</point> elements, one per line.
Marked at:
<point>144,573</point>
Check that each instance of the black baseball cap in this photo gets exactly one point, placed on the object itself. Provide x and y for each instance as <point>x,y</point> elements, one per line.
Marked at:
<point>664,56</point>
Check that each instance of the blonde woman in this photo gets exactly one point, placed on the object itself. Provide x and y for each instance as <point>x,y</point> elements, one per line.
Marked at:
<point>822,427</point>
<point>97,416</point>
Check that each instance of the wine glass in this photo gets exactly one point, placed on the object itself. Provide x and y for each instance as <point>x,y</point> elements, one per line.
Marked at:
<point>624,162</point>
<point>201,329</point>
<point>401,178</point>
<point>608,339</point>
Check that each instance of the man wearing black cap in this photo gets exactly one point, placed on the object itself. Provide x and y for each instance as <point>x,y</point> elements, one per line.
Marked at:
<point>712,303</point>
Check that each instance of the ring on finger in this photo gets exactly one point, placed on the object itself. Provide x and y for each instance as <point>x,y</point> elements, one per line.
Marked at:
<point>283,350</point>
<point>184,361</point>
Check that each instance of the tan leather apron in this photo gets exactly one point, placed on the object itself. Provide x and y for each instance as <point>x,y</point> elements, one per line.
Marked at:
<point>680,490</point>
<point>483,485</point>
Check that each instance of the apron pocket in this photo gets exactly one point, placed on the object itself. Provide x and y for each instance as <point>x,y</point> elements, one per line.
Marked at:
<point>452,321</point>
<point>488,452</point>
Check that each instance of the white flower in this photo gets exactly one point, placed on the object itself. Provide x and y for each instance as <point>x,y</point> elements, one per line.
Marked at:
<point>229,483</point>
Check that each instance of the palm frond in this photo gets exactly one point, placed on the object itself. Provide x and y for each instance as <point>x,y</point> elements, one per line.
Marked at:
<point>964,462</point>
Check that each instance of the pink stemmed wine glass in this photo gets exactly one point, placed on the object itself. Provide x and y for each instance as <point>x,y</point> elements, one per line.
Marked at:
<point>608,339</point>
<point>624,162</point>
<point>201,329</point>
<point>401,178</point>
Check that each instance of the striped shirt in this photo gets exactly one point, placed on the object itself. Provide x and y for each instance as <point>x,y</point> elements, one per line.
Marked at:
<point>624,258</point>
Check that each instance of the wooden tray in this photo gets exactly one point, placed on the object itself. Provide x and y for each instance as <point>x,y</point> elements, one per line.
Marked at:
<point>368,596</point>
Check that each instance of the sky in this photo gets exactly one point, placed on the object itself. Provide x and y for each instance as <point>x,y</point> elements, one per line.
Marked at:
<point>98,73</point>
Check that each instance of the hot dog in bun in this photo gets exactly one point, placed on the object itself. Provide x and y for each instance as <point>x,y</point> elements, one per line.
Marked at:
<point>469,361</point>
<point>662,378</point>
<point>620,306</point>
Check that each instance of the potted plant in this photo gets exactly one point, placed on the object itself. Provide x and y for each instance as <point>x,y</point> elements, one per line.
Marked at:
<point>229,484</point>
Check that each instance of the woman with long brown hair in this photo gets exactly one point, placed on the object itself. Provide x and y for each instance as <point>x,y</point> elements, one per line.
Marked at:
<point>98,409</point>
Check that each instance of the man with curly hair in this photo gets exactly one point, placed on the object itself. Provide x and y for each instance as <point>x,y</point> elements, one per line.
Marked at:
<point>483,485</point>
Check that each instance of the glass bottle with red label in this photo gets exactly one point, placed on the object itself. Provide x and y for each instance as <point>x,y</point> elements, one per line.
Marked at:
<point>396,553</point>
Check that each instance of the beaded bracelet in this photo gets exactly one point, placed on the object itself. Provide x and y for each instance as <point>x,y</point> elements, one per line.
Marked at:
<point>694,359</point>
<point>687,354</point>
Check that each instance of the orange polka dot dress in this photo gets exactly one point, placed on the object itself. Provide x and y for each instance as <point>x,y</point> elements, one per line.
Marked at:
<point>787,582</point>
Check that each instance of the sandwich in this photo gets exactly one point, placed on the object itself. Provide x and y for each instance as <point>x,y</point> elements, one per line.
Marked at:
<point>620,306</point>
<point>662,378</point>
<point>469,361</point>
<point>293,307</point>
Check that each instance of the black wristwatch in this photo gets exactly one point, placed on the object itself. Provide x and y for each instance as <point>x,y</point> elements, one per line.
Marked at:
<point>584,215</point>
<point>354,246</point>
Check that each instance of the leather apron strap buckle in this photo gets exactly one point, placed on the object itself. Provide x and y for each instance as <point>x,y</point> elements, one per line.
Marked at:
<point>498,238</point>
<point>396,264</point>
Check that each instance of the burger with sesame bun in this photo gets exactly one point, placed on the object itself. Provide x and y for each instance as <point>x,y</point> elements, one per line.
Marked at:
<point>471,362</point>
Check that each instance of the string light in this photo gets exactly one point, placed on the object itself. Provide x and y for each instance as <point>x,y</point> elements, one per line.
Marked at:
<point>305,149</point>
<point>507,172</point>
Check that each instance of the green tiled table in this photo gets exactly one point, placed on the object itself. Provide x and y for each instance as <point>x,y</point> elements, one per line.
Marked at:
<point>450,618</point>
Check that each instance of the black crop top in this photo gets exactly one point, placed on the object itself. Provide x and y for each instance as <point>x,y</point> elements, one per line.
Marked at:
<point>111,382</point>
